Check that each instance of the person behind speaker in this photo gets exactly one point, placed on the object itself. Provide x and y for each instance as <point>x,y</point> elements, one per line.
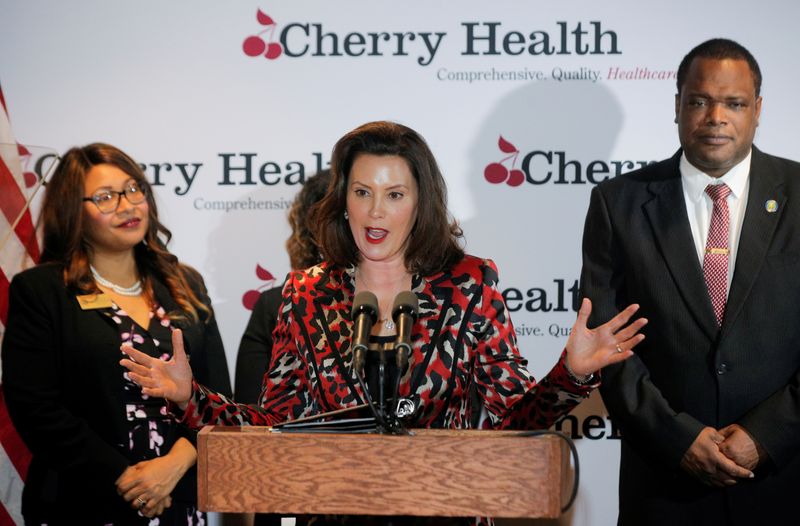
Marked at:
<point>383,227</point>
<point>104,452</point>
<point>707,243</point>
<point>255,348</point>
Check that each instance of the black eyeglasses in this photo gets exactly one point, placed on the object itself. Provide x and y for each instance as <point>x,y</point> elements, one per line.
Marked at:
<point>107,201</point>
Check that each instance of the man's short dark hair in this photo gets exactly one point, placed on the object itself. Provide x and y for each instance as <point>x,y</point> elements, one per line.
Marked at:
<point>720,49</point>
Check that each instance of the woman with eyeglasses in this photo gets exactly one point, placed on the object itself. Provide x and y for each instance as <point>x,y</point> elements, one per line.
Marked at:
<point>104,453</point>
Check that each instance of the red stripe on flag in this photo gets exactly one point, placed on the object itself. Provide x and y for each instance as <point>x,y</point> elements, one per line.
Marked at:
<point>3,297</point>
<point>12,203</point>
<point>9,438</point>
<point>5,518</point>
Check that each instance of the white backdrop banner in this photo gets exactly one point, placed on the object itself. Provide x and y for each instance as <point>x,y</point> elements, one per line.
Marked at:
<point>526,104</point>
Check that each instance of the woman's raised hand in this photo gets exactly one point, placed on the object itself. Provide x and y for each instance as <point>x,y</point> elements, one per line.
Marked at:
<point>171,379</point>
<point>589,350</point>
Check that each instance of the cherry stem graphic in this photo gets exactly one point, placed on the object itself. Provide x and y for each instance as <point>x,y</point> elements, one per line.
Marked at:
<point>514,155</point>
<point>270,28</point>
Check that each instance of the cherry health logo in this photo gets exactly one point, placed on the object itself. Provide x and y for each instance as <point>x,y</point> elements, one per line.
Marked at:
<point>497,172</point>
<point>255,45</point>
<point>250,297</point>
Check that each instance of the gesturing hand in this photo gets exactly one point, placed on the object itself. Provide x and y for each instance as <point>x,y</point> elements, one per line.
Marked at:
<point>170,379</point>
<point>589,350</point>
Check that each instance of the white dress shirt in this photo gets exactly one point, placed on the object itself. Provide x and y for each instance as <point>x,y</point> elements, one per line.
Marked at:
<point>699,205</point>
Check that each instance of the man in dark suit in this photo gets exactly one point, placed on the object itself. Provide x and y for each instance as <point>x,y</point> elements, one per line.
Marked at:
<point>709,408</point>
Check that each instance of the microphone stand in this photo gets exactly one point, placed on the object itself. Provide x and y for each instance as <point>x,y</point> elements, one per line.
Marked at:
<point>402,360</point>
<point>404,314</point>
<point>384,427</point>
<point>364,314</point>
<point>382,383</point>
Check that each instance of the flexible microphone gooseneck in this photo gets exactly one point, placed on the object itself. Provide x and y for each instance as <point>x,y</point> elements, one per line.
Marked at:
<point>404,314</point>
<point>365,314</point>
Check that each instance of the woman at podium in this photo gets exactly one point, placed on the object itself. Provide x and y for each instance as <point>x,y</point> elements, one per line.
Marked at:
<point>383,227</point>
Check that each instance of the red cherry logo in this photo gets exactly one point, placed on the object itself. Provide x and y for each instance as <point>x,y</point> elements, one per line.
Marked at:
<point>515,177</point>
<point>254,45</point>
<point>497,173</point>
<point>505,146</point>
<point>264,19</point>
<point>264,274</point>
<point>274,50</point>
<point>250,297</point>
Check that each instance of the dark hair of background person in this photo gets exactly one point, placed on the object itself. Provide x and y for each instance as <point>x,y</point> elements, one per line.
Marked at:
<point>303,251</point>
<point>64,232</point>
<point>720,49</point>
<point>433,244</point>
<point>255,347</point>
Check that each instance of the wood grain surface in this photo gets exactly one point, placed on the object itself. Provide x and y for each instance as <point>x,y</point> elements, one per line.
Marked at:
<point>429,473</point>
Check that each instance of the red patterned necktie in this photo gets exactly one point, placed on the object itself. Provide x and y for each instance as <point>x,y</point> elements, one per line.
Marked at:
<point>715,261</point>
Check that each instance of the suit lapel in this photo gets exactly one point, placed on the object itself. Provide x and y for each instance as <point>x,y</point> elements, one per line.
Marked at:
<point>434,304</point>
<point>670,224</point>
<point>758,229</point>
<point>329,336</point>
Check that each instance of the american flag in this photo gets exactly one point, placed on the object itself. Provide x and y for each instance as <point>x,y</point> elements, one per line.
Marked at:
<point>19,249</point>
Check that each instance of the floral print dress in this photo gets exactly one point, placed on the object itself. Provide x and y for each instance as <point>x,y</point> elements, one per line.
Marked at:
<point>151,430</point>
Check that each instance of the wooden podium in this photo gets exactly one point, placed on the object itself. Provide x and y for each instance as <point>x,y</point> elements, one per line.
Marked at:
<point>429,473</point>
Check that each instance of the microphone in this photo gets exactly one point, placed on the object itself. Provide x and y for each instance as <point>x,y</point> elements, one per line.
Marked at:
<point>404,314</point>
<point>364,315</point>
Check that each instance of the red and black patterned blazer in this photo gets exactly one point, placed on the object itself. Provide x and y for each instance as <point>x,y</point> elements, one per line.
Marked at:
<point>463,336</point>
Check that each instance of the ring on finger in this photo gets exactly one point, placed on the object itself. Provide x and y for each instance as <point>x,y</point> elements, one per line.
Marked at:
<point>142,503</point>
<point>618,348</point>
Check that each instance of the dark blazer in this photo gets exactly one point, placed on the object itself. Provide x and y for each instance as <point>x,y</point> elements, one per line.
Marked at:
<point>255,348</point>
<point>463,338</point>
<point>63,386</point>
<point>686,375</point>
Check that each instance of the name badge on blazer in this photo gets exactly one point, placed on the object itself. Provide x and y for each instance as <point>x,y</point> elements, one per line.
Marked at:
<point>94,301</point>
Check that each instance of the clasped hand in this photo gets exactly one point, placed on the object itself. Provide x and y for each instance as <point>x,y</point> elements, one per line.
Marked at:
<point>721,457</point>
<point>147,487</point>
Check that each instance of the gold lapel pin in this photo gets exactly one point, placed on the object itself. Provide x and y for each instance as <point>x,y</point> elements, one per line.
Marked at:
<point>771,206</point>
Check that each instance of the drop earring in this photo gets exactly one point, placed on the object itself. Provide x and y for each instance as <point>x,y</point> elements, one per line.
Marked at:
<point>346,215</point>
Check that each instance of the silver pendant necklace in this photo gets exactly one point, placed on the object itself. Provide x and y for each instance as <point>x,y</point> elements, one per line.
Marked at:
<point>133,290</point>
<point>388,323</point>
